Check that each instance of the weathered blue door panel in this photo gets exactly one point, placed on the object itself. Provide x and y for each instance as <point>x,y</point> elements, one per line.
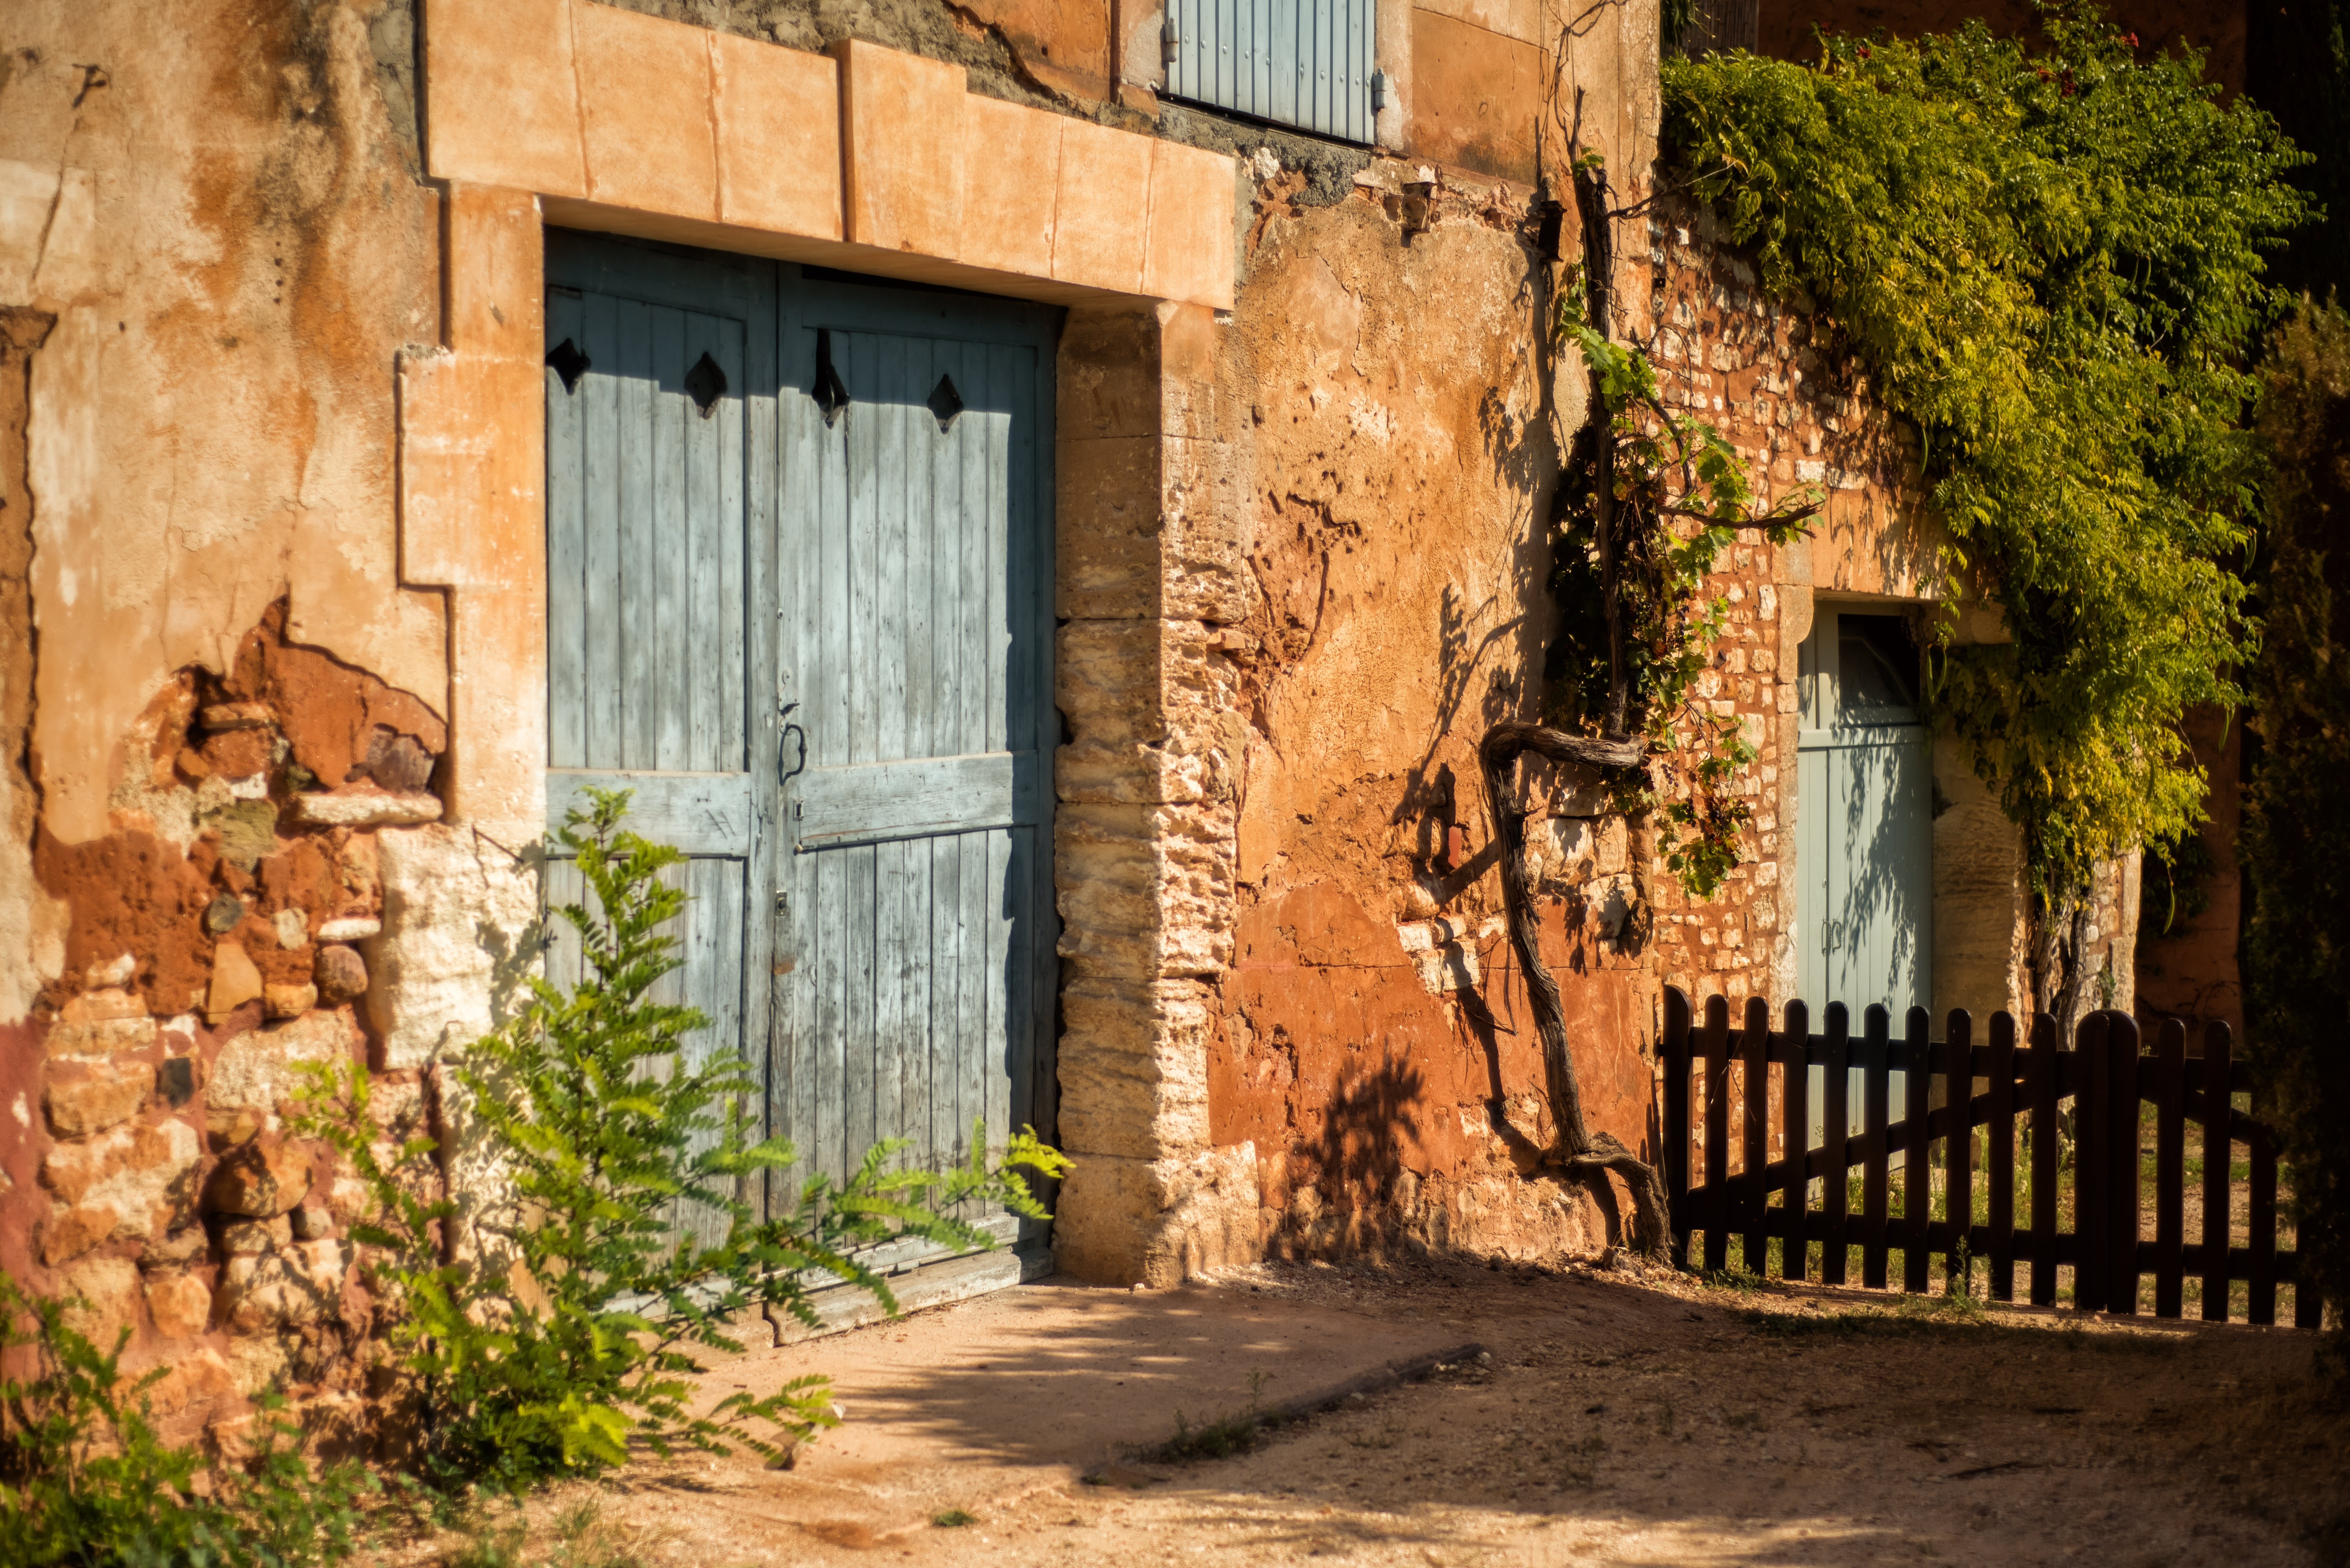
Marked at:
<point>799,547</point>
<point>919,926</point>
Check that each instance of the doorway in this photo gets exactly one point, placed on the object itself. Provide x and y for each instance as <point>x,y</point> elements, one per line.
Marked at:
<point>800,565</point>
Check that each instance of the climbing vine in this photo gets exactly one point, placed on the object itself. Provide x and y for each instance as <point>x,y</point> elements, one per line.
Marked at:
<point>1648,502</point>
<point>2051,261</point>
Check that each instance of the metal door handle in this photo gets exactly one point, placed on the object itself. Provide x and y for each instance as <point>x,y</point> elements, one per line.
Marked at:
<point>799,766</point>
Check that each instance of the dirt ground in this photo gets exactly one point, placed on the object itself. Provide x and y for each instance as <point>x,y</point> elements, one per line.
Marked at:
<point>1605,1417</point>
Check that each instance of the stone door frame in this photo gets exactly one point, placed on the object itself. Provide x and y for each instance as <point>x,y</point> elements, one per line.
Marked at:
<point>577,115</point>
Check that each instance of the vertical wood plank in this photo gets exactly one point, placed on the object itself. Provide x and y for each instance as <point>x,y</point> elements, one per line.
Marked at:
<point>2044,1090</point>
<point>1959,1166</point>
<point>1917,1165</point>
<point>2126,1186</point>
<point>2261,1306</point>
<point>1795,1134</point>
<point>980,986</point>
<point>973,649</point>
<point>671,619</point>
<point>1835,1124</point>
<point>936,1130</point>
<point>862,1051</point>
<point>1876,1091</point>
<point>2091,1163</point>
<point>895,420</point>
<point>867,425</point>
<point>605,643</point>
<point>894,978</point>
<point>1754,1067</point>
<point>2219,1158</point>
<point>1674,1133</point>
<point>1007,990</point>
<point>2170,1068</point>
<point>701,651</point>
<point>831,719</point>
<point>567,545</point>
<point>827,1057</point>
<point>923,527</point>
<point>762,634</point>
<point>638,613</point>
<point>1002,500</point>
<point>1714,1213</point>
<point>1999,1154</point>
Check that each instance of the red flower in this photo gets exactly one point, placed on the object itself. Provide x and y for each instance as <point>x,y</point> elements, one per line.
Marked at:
<point>1864,51</point>
<point>2130,38</point>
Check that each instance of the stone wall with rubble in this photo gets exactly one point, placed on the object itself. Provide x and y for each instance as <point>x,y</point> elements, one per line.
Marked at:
<point>225,714</point>
<point>1766,373</point>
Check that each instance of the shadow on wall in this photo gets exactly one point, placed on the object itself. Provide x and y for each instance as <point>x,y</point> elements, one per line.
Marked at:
<point>1359,1158</point>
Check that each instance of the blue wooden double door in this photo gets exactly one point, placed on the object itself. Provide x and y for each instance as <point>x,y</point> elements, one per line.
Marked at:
<point>799,560</point>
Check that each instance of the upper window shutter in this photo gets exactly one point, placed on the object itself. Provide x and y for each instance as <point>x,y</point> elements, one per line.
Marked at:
<point>1305,63</point>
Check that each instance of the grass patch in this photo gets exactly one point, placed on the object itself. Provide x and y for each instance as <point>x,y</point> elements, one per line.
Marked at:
<point>1234,1434</point>
<point>953,1518</point>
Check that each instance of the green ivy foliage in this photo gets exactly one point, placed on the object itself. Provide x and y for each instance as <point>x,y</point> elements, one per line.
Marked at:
<point>2296,839</point>
<point>1680,497</point>
<point>558,1330</point>
<point>2051,264</point>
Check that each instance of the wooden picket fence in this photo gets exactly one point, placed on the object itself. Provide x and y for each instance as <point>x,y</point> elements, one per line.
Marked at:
<point>2018,1090</point>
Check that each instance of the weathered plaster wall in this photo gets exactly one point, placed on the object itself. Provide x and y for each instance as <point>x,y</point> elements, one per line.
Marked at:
<point>1397,449</point>
<point>223,711</point>
<point>226,223</point>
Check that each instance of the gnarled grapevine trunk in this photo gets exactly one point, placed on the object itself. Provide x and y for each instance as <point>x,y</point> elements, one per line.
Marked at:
<point>1580,1151</point>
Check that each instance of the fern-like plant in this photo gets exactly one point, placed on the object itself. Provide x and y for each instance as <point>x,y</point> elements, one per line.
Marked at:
<point>555,1327</point>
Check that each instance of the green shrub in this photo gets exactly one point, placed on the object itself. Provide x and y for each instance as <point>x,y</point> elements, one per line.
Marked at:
<point>2296,837</point>
<point>85,1481</point>
<point>555,1329</point>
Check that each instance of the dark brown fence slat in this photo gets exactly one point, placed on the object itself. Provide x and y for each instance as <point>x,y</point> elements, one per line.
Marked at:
<point>1917,1164</point>
<point>2168,1065</point>
<point>1959,1185</point>
<point>1676,1130</point>
<point>1754,1062</point>
<point>1715,1217</point>
<point>2092,1172</point>
<point>2044,1159</point>
<point>1795,1133</point>
<point>2218,1156</point>
<point>2124,1186</point>
<point>1875,1085</point>
<point>1999,1154</point>
<point>2308,1306</point>
<point>2263,1270</point>
<point>1836,1132</point>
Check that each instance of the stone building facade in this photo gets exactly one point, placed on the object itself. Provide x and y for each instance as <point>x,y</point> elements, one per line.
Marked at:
<point>273,555</point>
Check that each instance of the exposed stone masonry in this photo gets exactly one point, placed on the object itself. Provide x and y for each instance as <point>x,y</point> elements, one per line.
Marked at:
<point>217,949</point>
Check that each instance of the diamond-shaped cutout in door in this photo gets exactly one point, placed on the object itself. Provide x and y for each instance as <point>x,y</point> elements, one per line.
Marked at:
<point>705,384</point>
<point>945,402</point>
<point>831,392</point>
<point>567,361</point>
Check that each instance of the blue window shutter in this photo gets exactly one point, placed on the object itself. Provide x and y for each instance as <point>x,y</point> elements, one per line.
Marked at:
<point>1304,63</point>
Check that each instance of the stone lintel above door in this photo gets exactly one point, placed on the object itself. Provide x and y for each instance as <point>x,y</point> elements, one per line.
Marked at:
<point>867,159</point>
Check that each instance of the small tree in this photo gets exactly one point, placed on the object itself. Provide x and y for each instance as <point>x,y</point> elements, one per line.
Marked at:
<point>566,1330</point>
